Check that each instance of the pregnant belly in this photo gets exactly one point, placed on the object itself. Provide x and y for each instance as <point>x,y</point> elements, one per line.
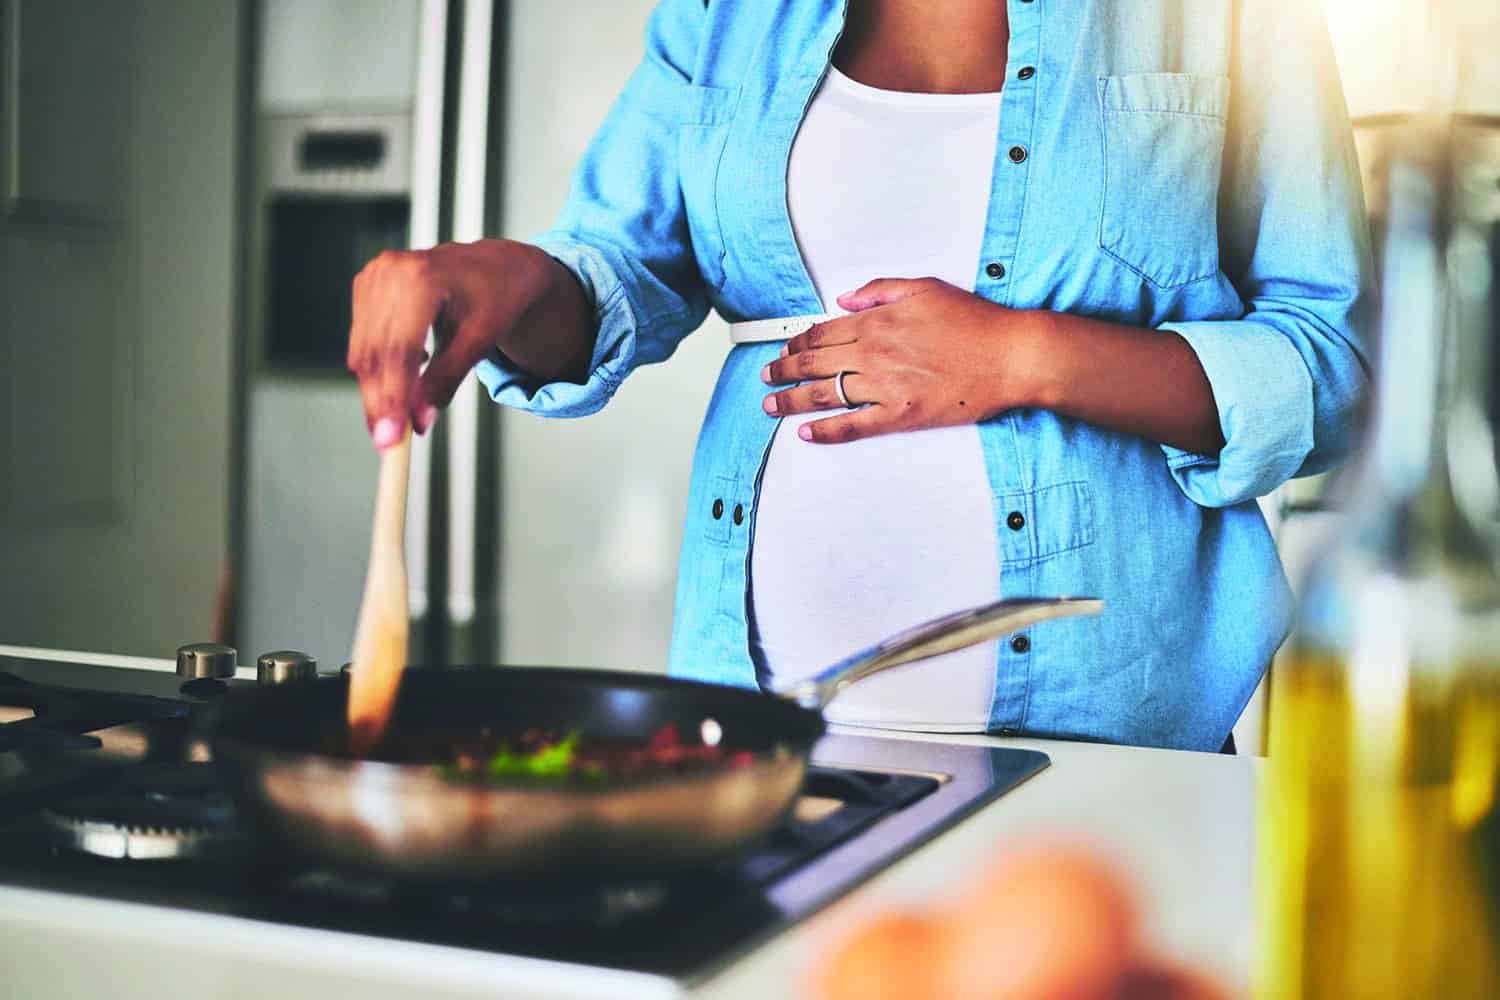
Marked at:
<point>856,541</point>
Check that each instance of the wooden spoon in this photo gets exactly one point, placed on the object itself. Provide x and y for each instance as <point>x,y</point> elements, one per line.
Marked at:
<point>384,618</point>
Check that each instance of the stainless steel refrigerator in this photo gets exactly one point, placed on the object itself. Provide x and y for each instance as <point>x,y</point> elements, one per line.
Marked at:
<point>528,540</point>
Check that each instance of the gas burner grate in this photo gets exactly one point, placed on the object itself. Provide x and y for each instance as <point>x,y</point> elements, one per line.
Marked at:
<point>152,811</point>
<point>64,718</point>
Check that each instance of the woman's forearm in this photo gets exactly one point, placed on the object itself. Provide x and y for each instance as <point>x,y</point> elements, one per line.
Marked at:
<point>1143,382</point>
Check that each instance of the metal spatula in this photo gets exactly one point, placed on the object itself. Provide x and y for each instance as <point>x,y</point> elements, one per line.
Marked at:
<point>381,630</point>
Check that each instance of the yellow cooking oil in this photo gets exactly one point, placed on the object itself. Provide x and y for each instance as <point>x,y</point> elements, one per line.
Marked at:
<point>1378,836</point>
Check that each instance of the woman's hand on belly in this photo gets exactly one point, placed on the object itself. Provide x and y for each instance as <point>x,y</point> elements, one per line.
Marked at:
<point>917,353</point>
<point>922,353</point>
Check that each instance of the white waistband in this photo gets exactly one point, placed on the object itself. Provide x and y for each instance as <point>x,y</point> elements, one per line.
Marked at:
<point>760,331</point>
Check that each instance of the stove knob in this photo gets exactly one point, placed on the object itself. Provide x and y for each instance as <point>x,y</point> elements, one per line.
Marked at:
<point>199,660</point>
<point>285,666</point>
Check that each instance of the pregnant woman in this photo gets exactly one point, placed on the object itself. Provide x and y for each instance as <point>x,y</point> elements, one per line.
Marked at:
<point>1087,279</point>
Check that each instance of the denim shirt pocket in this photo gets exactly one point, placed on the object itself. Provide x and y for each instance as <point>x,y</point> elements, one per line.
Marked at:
<point>726,526</point>
<point>701,135</point>
<point>1163,142</point>
<point>1041,523</point>
<point>719,517</point>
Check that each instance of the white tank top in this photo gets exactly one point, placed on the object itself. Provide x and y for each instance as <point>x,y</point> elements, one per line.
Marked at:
<point>856,541</point>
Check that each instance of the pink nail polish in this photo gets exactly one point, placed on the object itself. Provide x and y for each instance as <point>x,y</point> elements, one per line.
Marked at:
<point>765,374</point>
<point>784,350</point>
<point>804,432</point>
<point>770,405</point>
<point>385,433</point>
<point>426,417</point>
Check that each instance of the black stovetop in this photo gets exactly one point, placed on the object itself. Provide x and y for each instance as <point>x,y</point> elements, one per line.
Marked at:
<point>867,802</point>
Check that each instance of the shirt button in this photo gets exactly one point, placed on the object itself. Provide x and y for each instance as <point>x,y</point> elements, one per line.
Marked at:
<point>1020,644</point>
<point>1015,520</point>
<point>718,509</point>
<point>995,269</point>
<point>1027,72</point>
<point>1018,154</point>
<point>739,513</point>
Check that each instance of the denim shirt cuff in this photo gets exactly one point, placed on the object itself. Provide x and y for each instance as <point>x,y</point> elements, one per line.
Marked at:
<point>1264,395</point>
<point>613,348</point>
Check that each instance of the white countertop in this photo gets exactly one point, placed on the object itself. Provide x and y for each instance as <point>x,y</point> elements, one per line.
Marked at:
<point>1179,824</point>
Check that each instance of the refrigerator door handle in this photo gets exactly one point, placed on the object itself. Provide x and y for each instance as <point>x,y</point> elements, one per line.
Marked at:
<point>471,156</point>
<point>426,197</point>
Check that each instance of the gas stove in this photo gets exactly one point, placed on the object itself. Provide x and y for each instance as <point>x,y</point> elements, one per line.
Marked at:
<point>105,792</point>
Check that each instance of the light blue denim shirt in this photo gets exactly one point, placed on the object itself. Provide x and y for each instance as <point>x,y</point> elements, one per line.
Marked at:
<point>1182,165</point>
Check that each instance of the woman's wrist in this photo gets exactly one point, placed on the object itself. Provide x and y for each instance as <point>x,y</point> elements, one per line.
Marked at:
<point>554,331</point>
<point>1034,364</point>
<point>528,270</point>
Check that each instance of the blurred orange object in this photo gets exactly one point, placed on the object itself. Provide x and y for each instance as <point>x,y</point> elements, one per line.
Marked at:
<point>890,958</point>
<point>1047,923</point>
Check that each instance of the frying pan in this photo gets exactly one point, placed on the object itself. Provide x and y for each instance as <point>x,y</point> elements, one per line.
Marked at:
<point>284,754</point>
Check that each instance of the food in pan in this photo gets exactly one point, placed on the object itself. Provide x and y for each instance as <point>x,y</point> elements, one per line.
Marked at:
<point>538,753</point>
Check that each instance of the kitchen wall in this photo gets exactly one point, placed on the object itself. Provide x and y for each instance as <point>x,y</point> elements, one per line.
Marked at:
<point>591,510</point>
<point>1372,36</point>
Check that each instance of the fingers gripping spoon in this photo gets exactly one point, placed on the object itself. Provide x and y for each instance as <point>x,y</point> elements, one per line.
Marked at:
<point>381,630</point>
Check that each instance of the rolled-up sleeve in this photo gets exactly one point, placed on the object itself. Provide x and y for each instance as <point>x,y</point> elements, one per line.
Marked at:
<point>1288,376</point>
<point>623,232</point>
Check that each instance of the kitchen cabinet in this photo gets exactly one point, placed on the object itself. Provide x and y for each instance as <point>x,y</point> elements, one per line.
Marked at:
<point>64,107</point>
<point>63,103</point>
<point>117,199</point>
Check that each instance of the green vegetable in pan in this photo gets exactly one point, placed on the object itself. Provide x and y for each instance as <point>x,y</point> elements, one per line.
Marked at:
<point>539,754</point>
